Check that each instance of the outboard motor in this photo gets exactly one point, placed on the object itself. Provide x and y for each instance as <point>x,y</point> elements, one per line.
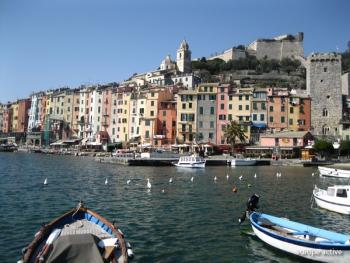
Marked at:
<point>252,205</point>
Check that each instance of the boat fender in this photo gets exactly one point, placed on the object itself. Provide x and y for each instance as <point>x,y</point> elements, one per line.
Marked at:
<point>24,250</point>
<point>128,245</point>
<point>53,236</point>
<point>37,233</point>
<point>130,253</point>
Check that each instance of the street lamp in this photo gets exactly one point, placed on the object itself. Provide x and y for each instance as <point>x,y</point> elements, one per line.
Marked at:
<point>336,146</point>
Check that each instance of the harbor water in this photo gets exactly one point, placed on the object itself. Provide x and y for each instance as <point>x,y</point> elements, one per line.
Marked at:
<point>182,221</point>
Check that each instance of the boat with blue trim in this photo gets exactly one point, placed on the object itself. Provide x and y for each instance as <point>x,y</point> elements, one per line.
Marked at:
<point>336,198</point>
<point>301,240</point>
<point>80,235</point>
<point>298,239</point>
<point>192,161</point>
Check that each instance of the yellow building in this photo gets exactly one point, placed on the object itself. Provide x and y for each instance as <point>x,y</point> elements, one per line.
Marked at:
<point>14,121</point>
<point>186,116</point>
<point>239,108</point>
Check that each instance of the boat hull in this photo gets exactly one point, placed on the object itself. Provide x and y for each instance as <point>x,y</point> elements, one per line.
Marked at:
<point>242,162</point>
<point>326,203</point>
<point>332,172</point>
<point>318,251</point>
<point>190,165</point>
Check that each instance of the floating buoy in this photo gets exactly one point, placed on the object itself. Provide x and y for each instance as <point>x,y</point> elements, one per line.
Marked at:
<point>106,181</point>
<point>215,178</point>
<point>45,181</point>
<point>171,180</point>
<point>227,176</point>
<point>241,177</point>
<point>128,181</point>
<point>163,191</point>
<point>312,174</point>
<point>192,179</point>
<point>130,253</point>
<point>255,175</point>
<point>234,189</point>
<point>149,186</point>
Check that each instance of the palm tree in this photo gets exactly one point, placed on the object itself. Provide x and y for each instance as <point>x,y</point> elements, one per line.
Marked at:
<point>234,131</point>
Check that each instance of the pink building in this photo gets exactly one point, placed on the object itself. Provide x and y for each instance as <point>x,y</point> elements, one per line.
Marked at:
<point>222,112</point>
<point>286,139</point>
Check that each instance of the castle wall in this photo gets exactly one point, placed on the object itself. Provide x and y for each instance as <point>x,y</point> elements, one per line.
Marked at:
<point>278,49</point>
<point>324,87</point>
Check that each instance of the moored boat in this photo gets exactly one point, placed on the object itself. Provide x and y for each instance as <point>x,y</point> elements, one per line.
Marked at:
<point>301,240</point>
<point>298,239</point>
<point>336,198</point>
<point>190,162</point>
<point>79,235</point>
<point>333,172</point>
<point>239,160</point>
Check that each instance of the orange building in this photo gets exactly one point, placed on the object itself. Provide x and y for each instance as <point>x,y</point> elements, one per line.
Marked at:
<point>166,122</point>
<point>23,117</point>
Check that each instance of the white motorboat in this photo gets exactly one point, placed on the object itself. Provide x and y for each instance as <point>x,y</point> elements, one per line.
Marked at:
<point>336,198</point>
<point>333,172</point>
<point>239,160</point>
<point>190,162</point>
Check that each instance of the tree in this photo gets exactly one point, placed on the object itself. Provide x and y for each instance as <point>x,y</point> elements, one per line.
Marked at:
<point>345,148</point>
<point>323,147</point>
<point>234,131</point>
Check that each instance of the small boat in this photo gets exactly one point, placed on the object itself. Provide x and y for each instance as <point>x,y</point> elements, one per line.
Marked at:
<point>298,239</point>
<point>239,160</point>
<point>79,235</point>
<point>192,161</point>
<point>336,198</point>
<point>333,172</point>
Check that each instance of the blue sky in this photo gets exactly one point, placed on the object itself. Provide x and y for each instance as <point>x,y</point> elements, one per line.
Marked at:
<point>46,44</point>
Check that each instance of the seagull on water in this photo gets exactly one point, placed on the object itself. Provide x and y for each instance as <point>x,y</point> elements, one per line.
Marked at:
<point>163,191</point>
<point>227,176</point>
<point>128,181</point>
<point>192,179</point>
<point>149,186</point>
<point>215,178</point>
<point>278,174</point>
<point>255,175</point>
<point>45,181</point>
<point>106,181</point>
<point>241,177</point>
<point>312,174</point>
<point>170,180</point>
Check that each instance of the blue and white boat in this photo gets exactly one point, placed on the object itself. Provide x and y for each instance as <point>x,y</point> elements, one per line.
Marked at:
<point>79,235</point>
<point>301,240</point>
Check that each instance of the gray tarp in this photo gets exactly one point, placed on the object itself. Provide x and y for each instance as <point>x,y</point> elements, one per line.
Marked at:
<point>75,249</point>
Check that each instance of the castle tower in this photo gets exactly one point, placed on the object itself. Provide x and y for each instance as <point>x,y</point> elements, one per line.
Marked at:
<point>183,58</point>
<point>323,83</point>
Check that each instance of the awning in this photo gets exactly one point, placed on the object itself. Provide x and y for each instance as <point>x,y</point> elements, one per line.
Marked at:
<point>259,125</point>
<point>56,143</point>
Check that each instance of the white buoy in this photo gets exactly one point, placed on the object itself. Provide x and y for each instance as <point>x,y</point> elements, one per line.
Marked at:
<point>106,181</point>
<point>215,178</point>
<point>241,177</point>
<point>278,174</point>
<point>45,181</point>
<point>128,181</point>
<point>312,174</point>
<point>227,176</point>
<point>149,186</point>
<point>163,191</point>
<point>192,179</point>
<point>255,175</point>
<point>171,180</point>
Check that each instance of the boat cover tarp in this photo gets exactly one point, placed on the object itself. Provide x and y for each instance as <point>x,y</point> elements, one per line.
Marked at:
<point>80,248</point>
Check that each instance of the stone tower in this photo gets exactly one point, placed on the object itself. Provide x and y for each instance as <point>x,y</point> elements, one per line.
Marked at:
<point>323,83</point>
<point>183,58</point>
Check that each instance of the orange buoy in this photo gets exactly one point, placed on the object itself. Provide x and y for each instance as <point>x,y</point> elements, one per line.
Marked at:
<point>234,189</point>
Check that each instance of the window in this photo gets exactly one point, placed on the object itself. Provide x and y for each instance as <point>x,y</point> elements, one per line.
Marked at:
<point>301,109</point>
<point>222,89</point>
<point>222,117</point>
<point>230,117</point>
<point>263,106</point>
<point>283,108</point>
<point>183,128</point>
<point>240,107</point>
<point>222,106</point>
<point>246,97</point>
<point>240,97</point>
<point>276,142</point>
<point>247,107</point>
<point>212,97</point>
<point>223,127</point>
<point>290,121</point>
<point>341,193</point>
<point>271,108</point>
<point>211,124</point>
<point>230,97</point>
<point>200,124</point>
<point>191,117</point>
<point>199,97</point>
<point>325,69</point>
<point>262,117</point>
<point>211,135</point>
<point>152,113</point>
<point>190,105</point>
<point>152,94</point>
<point>183,117</point>
<point>240,118</point>
<point>147,123</point>
<point>255,106</point>
<point>230,106</point>
<point>255,117</point>
<point>271,119</point>
<point>212,110</point>
<point>152,103</point>
<point>147,134</point>
<point>283,119</point>
<point>211,89</point>
<point>201,110</point>
<point>324,112</point>
<point>222,97</point>
<point>291,110</point>
<point>183,105</point>
<point>295,141</point>
<point>247,118</point>
<point>164,113</point>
